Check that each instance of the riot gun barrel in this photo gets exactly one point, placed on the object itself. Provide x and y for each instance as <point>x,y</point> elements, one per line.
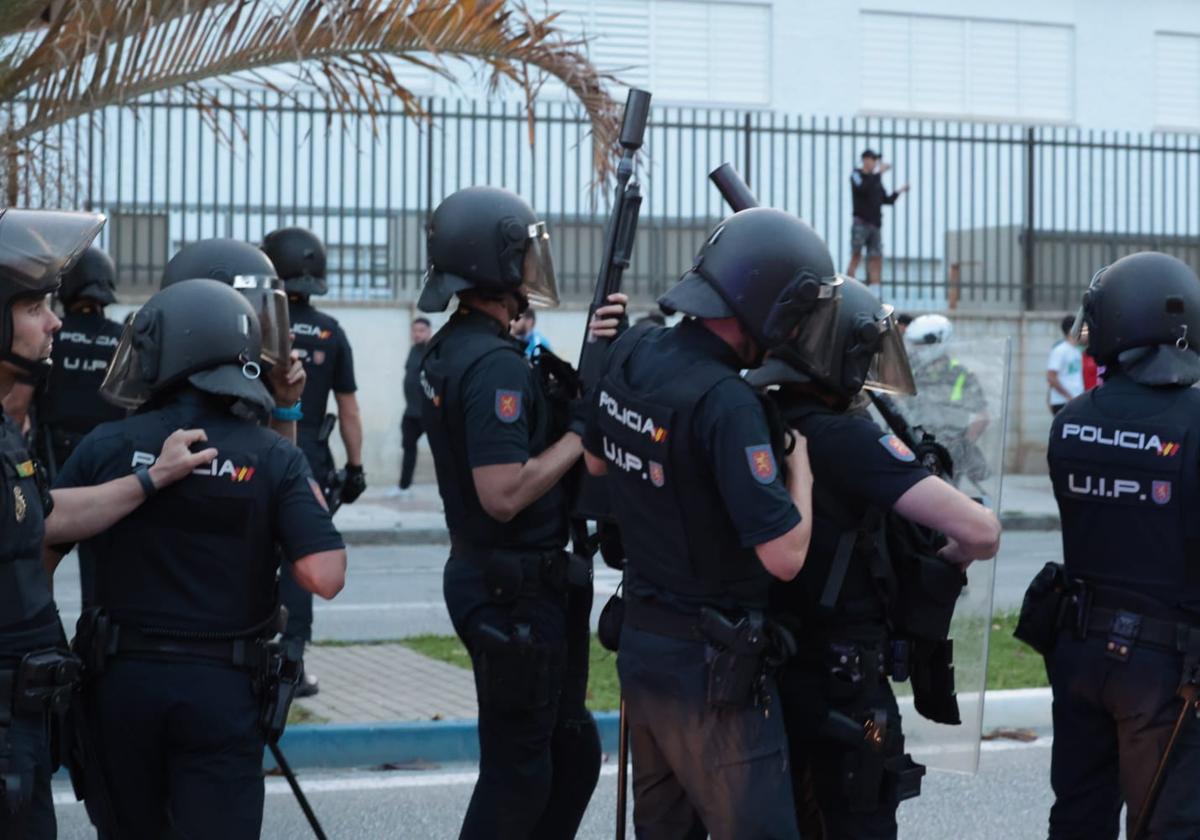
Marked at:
<point>733,188</point>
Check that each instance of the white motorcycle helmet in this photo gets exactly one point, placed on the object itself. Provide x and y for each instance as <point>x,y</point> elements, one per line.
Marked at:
<point>929,329</point>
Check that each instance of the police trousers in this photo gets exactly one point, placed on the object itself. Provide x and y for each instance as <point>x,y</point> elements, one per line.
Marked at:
<point>25,755</point>
<point>539,749</point>
<point>700,771</point>
<point>844,788</point>
<point>1112,721</point>
<point>179,751</point>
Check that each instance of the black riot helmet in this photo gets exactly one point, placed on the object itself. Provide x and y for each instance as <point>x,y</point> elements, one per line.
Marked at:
<point>247,269</point>
<point>299,259</point>
<point>36,246</point>
<point>864,349</point>
<point>93,277</point>
<point>1142,313</point>
<point>762,266</point>
<point>198,331</point>
<point>490,240</point>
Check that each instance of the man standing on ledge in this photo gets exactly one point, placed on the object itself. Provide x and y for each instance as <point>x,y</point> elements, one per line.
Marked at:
<point>866,188</point>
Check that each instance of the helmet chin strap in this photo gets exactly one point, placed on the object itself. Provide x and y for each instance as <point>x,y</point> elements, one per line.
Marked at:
<point>37,370</point>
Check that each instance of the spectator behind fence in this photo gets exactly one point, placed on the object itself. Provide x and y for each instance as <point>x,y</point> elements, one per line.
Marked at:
<point>524,330</point>
<point>410,424</point>
<point>869,196</point>
<point>1064,369</point>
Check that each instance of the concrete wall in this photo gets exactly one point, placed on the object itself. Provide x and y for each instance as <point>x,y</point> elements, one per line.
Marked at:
<point>380,336</point>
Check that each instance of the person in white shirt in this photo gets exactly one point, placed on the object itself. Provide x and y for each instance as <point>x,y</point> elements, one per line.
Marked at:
<point>1064,369</point>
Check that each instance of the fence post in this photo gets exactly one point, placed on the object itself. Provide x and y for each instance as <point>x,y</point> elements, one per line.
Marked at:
<point>1028,246</point>
<point>746,130</point>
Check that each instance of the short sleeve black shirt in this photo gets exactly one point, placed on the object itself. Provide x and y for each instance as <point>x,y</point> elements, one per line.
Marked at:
<point>202,553</point>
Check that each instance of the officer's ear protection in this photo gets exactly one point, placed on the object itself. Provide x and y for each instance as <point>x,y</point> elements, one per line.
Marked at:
<point>147,341</point>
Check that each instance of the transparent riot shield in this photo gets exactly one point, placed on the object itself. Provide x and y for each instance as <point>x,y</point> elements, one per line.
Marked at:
<point>962,400</point>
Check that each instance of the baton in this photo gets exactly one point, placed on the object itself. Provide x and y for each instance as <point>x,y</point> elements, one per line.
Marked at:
<point>295,786</point>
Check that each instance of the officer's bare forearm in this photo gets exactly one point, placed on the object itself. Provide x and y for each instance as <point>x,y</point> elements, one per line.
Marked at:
<point>83,512</point>
<point>505,490</point>
<point>323,573</point>
<point>350,425</point>
<point>285,428</point>
<point>936,504</point>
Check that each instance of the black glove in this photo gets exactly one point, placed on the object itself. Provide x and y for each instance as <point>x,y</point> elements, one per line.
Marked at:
<point>356,483</point>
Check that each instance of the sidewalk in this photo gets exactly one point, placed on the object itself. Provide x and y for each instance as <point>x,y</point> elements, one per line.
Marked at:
<point>1027,504</point>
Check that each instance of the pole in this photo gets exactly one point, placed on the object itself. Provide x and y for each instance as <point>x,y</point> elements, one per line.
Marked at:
<point>295,786</point>
<point>1191,705</point>
<point>622,768</point>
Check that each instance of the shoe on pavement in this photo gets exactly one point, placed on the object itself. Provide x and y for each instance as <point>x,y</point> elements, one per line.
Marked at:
<point>309,685</point>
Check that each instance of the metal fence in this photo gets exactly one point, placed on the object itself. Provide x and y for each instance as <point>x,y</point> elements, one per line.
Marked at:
<point>998,216</point>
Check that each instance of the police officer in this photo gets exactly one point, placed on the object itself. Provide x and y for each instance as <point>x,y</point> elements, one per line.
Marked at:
<point>949,402</point>
<point>1125,463</point>
<point>707,519</point>
<point>299,259</point>
<point>500,457</point>
<point>185,587</point>
<point>849,767</point>
<point>37,676</point>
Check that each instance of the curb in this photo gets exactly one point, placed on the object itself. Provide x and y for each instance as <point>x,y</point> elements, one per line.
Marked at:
<point>1013,521</point>
<point>418,744</point>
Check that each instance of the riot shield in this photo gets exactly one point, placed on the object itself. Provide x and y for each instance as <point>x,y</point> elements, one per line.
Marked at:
<point>962,400</point>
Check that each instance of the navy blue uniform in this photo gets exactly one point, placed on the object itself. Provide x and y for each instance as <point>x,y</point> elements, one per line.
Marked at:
<point>517,602</point>
<point>329,365</point>
<point>859,472</point>
<point>71,405</point>
<point>695,487</point>
<point>1125,462</point>
<point>177,734</point>
<point>28,622</point>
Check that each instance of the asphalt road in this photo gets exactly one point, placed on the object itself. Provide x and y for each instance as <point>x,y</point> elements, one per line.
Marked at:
<point>396,591</point>
<point>1009,799</point>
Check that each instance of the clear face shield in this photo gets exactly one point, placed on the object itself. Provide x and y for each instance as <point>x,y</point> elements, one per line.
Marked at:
<point>889,371</point>
<point>36,245</point>
<point>806,312</point>
<point>537,270</point>
<point>269,299</point>
<point>124,382</point>
<point>1079,330</point>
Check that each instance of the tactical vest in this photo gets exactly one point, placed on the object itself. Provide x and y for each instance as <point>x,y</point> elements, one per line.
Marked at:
<point>70,405</point>
<point>1128,491</point>
<point>24,585</point>
<point>674,524</point>
<point>456,348</point>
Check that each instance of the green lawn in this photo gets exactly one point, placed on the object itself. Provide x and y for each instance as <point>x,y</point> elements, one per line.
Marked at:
<point>1010,663</point>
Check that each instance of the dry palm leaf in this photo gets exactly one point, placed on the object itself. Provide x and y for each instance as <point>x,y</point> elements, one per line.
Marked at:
<point>94,53</point>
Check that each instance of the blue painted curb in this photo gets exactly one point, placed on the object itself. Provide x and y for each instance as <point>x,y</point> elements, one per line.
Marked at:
<point>415,743</point>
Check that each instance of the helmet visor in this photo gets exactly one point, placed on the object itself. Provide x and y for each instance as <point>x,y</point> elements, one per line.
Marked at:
<point>1079,330</point>
<point>809,303</point>
<point>890,371</point>
<point>124,383</point>
<point>269,299</point>
<point>537,271</point>
<point>38,245</point>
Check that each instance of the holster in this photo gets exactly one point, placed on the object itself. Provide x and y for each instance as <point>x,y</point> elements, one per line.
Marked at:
<point>931,670</point>
<point>283,668</point>
<point>612,617</point>
<point>877,769</point>
<point>1042,608</point>
<point>737,657</point>
<point>515,670</point>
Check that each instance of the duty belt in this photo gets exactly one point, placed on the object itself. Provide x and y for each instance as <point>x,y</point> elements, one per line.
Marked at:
<point>646,615</point>
<point>553,567</point>
<point>1127,620</point>
<point>243,653</point>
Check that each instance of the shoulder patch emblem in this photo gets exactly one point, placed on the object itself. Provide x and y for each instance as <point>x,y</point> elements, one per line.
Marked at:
<point>1160,492</point>
<point>316,491</point>
<point>508,406</point>
<point>762,463</point>
<point>897,448</point>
